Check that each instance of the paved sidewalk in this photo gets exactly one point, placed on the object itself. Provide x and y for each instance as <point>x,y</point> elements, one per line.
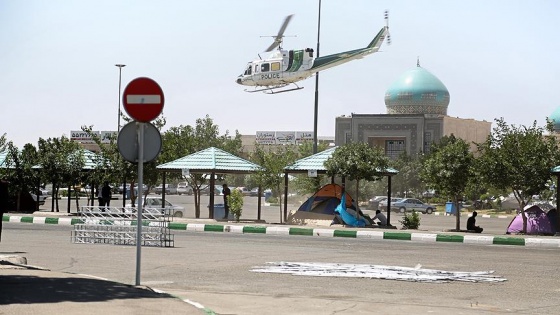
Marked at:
<point>27,289</point>
<point>374,233</point>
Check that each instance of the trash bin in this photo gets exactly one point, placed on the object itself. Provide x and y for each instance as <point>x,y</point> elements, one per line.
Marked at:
<point>450,208</point>
<point>220,211</point>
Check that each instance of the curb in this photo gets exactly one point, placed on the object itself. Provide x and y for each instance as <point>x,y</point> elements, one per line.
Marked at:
<point>323,232</point>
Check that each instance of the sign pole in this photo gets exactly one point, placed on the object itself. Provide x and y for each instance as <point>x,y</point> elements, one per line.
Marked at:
<point>140,194</point>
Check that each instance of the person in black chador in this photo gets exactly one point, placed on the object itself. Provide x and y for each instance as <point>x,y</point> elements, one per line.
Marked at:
<point>226,191</point>
<point>471,224</point>
<point>106,194</point>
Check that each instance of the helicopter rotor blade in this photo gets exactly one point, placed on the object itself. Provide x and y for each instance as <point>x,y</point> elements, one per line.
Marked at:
<point>278,37</point>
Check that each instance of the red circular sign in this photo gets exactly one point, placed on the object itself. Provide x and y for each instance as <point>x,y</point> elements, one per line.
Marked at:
<point>143,99</point>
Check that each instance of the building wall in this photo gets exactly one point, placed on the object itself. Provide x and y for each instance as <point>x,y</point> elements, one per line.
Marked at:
<point>417,130</point>
<point>469,130</point>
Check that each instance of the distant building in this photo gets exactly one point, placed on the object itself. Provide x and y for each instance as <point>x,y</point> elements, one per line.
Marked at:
<point>416,117</point>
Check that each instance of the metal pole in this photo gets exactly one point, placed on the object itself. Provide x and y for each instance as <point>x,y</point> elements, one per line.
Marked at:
<point>119,112</point>
<point>140,193</point>
<point>315,118</point>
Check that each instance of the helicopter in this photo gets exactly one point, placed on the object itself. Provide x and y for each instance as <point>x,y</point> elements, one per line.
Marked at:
<point>284,68</point>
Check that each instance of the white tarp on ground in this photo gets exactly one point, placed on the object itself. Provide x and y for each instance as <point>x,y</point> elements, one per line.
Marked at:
<point>416,274</point>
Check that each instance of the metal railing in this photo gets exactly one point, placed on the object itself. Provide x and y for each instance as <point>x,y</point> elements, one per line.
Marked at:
<point>118,226</point>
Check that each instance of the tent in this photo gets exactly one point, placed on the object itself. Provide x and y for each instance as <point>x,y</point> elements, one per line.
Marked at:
<point>537,222</point>
<point>326,199</point>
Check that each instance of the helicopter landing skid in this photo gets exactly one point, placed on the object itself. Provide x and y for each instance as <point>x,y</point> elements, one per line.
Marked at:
<point>274,90</point>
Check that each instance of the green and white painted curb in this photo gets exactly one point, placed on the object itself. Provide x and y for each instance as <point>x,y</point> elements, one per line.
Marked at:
<point>323,232</point>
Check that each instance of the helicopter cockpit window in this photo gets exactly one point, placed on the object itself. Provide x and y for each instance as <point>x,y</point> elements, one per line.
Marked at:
<point>265,67</point>
<point>248,71</point>
<point>275,66</point>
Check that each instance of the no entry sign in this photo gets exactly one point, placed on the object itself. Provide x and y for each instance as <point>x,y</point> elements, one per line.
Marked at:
<point>143,99</point>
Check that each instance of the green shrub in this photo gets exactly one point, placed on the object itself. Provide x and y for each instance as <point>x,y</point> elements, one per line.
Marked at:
<point>235,202</point>
<point>272,200</point>
<point>410,221</point>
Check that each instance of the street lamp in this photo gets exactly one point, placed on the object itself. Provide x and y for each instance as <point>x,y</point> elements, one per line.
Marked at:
<point>316,111</point>
<point>119,119</point>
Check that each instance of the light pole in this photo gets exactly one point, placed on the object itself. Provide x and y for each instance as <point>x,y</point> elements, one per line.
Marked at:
<point>315,117</point>
<point>119,119</point>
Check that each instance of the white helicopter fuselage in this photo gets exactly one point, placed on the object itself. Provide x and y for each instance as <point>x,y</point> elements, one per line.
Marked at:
<point>284,67</point>
<point>281,68</point>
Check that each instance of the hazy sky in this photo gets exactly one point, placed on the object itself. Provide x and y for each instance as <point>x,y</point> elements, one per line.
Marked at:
<point>57,60</point>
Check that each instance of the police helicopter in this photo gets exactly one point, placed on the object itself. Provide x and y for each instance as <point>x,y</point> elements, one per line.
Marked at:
<point>284,68</point>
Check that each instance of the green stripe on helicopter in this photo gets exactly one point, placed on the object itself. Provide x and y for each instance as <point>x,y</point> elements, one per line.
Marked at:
<point>298,58</point>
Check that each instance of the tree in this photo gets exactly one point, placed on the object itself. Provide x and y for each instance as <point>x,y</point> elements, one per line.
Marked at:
<point>448,169</point>
<point>184,140</point>
<point>356,161</point>
<point>62,162</point>
<point>518,159</point>
<point>408,178</point>
<point>20,164</point>
<point>272,161</point>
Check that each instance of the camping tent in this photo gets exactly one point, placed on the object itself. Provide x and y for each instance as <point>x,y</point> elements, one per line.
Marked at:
<point>537,222</point>
<point>326,199</point>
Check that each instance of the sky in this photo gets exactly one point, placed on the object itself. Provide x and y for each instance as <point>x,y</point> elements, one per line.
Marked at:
<point>497,58</point>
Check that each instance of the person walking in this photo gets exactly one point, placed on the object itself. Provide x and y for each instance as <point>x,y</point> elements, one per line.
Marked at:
<point>100,197</point>
<point>226,191</point>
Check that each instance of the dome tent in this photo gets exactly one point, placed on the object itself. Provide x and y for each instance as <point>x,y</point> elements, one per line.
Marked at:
<point>538,223</point>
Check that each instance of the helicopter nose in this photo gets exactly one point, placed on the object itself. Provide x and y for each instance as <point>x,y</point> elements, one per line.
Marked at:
<point>238,81</point>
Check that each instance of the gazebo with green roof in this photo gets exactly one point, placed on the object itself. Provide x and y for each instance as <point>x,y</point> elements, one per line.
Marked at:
<point>211,161</point>
<point>316,162</point>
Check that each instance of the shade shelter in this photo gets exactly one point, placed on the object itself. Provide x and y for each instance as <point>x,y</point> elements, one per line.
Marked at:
<point>211,161</point>
<point>316,163</point>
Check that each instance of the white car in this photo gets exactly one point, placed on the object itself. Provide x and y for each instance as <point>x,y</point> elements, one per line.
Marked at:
<point>183,188</point>
<point>156,202</point>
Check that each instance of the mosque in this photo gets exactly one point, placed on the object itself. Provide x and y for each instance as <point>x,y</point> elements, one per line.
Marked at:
<point>416,117</point>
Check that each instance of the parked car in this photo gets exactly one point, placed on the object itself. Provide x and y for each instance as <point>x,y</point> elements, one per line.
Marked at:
<point>120,189</point>
<point>383,203</point>
<point>156,202</point>
<point>411,204</point>
<point>205,190</point>
<point>244,190</point>
<point>373,203</point>
<point>183,188</point>
<point>40,198</point>
<point>170,189</point>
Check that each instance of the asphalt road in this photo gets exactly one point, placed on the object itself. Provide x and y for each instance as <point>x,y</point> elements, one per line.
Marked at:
<point>214,269</point>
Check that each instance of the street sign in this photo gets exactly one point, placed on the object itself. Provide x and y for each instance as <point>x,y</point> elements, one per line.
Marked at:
<point>143,99</point>
<point>128,145</point>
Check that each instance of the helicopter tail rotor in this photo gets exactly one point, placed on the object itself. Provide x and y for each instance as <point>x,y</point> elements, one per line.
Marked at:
<point>280,35</point>
<point>387,27</point>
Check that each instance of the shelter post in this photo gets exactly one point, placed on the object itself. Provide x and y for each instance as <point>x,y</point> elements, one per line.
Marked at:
<point>557,201</point>
<point>285,198</point>
<point>211,192</point>
<point>124,192</point>
<point>69,198</point>
<point>163,188</point>
<point>389,200</point>
<point>259,192</point>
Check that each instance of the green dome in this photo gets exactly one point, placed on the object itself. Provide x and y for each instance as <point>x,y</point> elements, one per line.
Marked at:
<point>417,91</point>
<point>555,118</point>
